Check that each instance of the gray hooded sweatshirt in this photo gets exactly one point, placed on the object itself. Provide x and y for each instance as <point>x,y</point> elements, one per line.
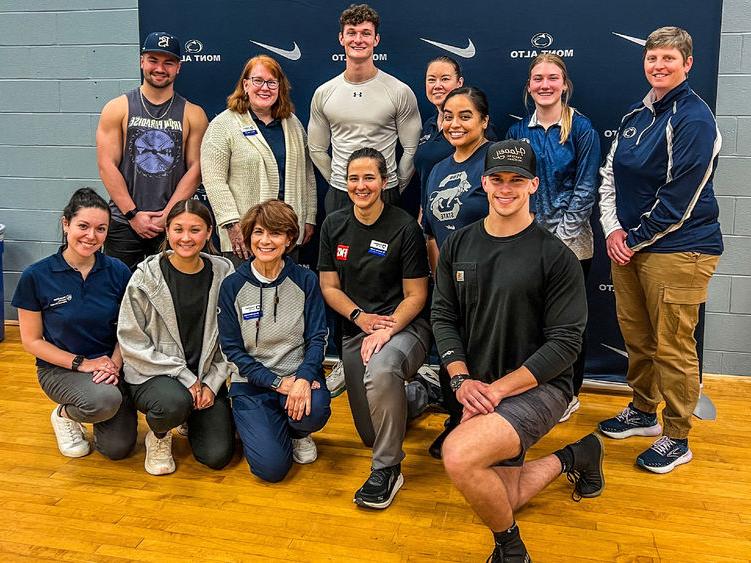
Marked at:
<point>149,337</point>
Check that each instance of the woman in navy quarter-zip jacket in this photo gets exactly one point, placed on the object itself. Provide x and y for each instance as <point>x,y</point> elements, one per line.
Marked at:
<point>272,326</point>
<point>660,218</point>
<point>568,156</point>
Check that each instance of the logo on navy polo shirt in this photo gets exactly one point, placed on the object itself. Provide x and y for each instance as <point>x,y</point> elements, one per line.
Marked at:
<point>630,132</point>
<point>62,300</point>
<point>378,248</point>
<point>342,252</point>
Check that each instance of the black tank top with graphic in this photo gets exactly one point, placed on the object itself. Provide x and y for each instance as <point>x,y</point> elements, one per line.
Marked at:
<point>153,159</point>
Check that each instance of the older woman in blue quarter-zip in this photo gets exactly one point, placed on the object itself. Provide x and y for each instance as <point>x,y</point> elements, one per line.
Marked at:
<point>568,158</point>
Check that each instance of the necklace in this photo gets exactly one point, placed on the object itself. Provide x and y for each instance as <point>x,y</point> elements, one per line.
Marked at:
<point>165,112</point>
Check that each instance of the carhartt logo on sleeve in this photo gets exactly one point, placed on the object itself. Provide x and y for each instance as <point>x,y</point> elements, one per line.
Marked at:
<point>342,252</point>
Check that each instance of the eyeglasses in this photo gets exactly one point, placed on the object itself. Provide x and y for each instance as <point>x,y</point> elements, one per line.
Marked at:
<point>258,82</point>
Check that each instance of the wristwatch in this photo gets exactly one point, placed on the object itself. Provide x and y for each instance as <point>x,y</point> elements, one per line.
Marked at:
<point>277,382</point>
<point>132,213</point>
<point>77,361</point>
<point>457,380</point>
<point>354,314</point>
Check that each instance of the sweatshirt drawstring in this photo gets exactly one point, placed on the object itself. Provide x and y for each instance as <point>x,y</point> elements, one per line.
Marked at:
<point>276,299</point>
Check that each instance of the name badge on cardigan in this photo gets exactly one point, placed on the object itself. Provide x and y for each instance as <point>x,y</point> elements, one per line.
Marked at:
<point>249,130</point>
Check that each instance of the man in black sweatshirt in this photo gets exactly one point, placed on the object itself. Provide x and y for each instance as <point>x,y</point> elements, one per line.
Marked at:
<point>509,311</point>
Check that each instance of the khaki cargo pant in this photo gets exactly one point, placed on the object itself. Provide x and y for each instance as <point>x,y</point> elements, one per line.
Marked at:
<point>657,300</point>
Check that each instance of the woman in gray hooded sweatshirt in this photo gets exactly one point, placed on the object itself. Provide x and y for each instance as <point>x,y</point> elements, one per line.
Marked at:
<point>173,366</point>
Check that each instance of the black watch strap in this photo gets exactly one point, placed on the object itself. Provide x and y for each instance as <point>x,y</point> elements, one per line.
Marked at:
<point>457,380</point>
<point>76,363</point>
<point>277,382</point>
<point>130,214</point>
<point>354,314</point>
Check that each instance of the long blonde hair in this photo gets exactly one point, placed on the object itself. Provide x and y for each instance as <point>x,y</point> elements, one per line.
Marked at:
<point>567,112</point>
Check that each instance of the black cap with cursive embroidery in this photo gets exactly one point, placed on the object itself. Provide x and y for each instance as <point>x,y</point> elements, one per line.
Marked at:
<point>511,156</point>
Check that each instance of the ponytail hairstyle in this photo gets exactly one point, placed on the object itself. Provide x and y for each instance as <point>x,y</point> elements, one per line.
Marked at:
<point>83,198</point>
<point>196,208</point>
<point>567,112</point>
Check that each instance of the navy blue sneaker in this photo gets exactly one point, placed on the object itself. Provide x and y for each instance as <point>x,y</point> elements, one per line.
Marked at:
<point>665,455</point>
<point>630,422</point>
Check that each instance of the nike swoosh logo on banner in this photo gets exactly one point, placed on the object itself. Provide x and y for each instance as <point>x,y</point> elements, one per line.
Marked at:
<point>467,52</point>
<point>616,350</point>
<point>292,55</point>
<point>636,40</point>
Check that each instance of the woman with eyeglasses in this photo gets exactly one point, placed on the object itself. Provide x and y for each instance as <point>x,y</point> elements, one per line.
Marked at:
<point>254,151</point>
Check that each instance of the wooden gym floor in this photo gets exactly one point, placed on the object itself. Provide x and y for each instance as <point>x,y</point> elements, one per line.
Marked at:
<point>54,508</point>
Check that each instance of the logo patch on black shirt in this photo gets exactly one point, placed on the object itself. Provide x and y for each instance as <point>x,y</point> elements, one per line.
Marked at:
<point>342,252</point>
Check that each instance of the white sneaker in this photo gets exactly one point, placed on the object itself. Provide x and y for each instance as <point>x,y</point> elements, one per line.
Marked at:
<point>572,407</point>
<point>159,459</point>
<point>335,380</point>
<point>71,437</point>
<point>304,450</point>
<point>182,430</point>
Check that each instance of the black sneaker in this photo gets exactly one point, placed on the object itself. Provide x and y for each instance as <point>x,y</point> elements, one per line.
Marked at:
<point>510,550</point>
<point>586,474</point>
<point>435,448</point>
<point>380,488</point>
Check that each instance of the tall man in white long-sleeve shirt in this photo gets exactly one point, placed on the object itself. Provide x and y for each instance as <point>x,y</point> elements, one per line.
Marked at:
<point>362,107</point>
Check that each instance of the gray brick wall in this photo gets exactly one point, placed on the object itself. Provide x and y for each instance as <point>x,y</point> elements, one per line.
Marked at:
<point>728,320</point>
<point>59,63</point>
<point>58,66</point>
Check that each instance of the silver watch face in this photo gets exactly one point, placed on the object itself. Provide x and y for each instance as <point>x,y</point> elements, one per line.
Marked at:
<point>456,382</point>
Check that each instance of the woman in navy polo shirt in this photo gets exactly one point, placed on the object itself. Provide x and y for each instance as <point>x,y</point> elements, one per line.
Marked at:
<point>568,157</point>
<point>67,312</point>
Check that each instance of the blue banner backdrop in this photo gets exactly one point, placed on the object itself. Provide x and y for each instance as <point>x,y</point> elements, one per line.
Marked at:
<point>601,43</point>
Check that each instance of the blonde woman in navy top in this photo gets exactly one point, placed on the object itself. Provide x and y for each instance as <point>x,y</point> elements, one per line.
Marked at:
<point>568,158</point>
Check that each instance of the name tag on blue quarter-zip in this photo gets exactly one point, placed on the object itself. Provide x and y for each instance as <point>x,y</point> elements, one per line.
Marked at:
<point>251,312</point>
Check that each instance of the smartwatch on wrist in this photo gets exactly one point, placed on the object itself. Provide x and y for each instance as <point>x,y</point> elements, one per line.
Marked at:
<point>354,314</point>
<point>457,380</point>
<point>77,361</point>
<point>277,382</point>
<point>132,213</point>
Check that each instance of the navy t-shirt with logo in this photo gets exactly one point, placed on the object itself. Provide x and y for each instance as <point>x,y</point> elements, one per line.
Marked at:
<point>78,316</point>
<point>454,197</point>
<point>372,260</point>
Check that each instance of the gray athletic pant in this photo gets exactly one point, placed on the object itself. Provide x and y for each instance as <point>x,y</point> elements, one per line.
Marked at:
<point>376,391</point>
<point>107,406</point>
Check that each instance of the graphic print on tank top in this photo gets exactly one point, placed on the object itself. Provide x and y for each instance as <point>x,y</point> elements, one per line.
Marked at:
<point>155,151</point>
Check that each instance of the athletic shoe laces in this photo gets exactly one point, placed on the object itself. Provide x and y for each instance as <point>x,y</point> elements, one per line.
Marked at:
<point>575,477</point>
<point>379,476</point>
<point>663,445</point>
<point>628,416</point>
<point>73,429</point>
<point>163,448</point>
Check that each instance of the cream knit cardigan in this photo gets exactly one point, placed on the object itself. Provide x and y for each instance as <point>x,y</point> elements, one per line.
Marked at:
<point>240,170</point>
